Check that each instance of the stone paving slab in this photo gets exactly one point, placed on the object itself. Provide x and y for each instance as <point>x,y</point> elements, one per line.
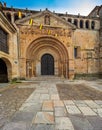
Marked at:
<point>55,97</point>
<point>16,126</point>
<point>80,103</point>
<point>36,96</point>
<point>44,97</point>
<point>58,103</point>
<point>47,106</point>
<point>87,111</point>
<point>72,109</point>
<point>99,111</point>
<point>42,91</point>
<point>80,123</point>
<point>63,123</point>
<point>23,116</point>
<point>68,102</point>
<point>42,127</point>
<point>60,112</point>
<point>92,104</point>
<point>44,110</point>
<point>95,121</point>
<point>44,118</point>
<point>31,107</point>
<point>99,102</point>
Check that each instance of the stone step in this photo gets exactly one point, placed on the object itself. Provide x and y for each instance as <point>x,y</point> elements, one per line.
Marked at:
<point>45,78</point>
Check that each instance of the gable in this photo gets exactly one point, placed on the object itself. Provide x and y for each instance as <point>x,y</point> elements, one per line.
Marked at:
<point>39,18</point>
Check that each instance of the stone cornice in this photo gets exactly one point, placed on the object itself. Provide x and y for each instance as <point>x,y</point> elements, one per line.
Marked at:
<point>43,13</point>
<point>6,23</point>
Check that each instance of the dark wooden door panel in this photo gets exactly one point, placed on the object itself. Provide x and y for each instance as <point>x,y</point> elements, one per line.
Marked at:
<point>47,64</point>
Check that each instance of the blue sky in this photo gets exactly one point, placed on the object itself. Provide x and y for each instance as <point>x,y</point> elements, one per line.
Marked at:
<point>71,6</point>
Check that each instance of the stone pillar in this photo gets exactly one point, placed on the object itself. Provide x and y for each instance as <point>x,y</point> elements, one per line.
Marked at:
<point>22,67</point>
<point>71,69</point>
<point>84,24</point>
<point>12,17</point>
<point>66,62</point>
<point>72,21</point>
<point>78,23</point>
<point>62,71</point>
<point>27,69</point>
<point>38,68</point>
<point>90,24</point>
<point>32,69</point>
<point>56,68</point>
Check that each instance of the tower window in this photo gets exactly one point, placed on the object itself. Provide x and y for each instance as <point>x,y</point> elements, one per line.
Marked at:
<point>77,52</point>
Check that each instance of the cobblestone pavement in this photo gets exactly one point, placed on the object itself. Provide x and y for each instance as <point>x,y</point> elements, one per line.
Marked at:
<point>44,110</point>
<point>11,99</point>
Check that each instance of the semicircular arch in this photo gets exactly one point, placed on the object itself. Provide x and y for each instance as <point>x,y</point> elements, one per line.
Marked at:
<point>43,45</point>
<point>47,41</point>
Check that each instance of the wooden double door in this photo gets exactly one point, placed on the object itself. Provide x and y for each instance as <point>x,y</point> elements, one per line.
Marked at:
<point>47,64</point>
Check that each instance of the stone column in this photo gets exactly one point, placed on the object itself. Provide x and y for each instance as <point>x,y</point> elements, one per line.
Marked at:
<point>32,69</point>
<point>22,62</point>
<point>71,68</point>
<point>72,21</point>
<point>12,17</point>
<point>90,24</point>
<point>84,24</point>
<point>66,62</point>
<point>78,23</point>
<point>62,71</point>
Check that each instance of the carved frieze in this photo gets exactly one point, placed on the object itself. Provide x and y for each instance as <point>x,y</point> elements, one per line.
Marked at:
<point>46,31</point>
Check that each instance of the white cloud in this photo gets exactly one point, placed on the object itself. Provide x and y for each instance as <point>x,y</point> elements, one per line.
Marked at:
<point>84,7</point>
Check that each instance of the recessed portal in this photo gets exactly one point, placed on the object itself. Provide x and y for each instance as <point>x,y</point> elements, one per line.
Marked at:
<point>47,64</point>
<point>3,72</point>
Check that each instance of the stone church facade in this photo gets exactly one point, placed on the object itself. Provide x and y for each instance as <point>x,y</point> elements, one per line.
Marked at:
<point>48,43</point>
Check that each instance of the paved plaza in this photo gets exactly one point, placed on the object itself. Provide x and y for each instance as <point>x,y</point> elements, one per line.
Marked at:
<point>45,110</point>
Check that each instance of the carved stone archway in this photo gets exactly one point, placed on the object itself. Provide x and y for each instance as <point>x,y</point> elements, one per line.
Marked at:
<point>52,46</point>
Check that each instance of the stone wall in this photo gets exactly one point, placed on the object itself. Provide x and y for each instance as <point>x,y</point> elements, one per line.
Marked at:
<point>100,14</point>
<point>88,39</point>
<point>29,34</point>
<point>11,58</point>
<point>88,62</point>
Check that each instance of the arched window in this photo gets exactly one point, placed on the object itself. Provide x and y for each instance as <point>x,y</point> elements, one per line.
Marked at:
<point>8,16</point>
<point>3,40</point>
<point>23,15</point>
<point>93,25</point>
<point>81,23</point>
<point>76,22</point>
<point>87,24</point>
<point>63,18</point>
<point>77,52</point>
<point>16,17</point>
<point>47,20</point>
<point>69,20</point>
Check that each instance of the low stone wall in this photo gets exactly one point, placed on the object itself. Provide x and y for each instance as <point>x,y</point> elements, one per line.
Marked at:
<point>89,76</point>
